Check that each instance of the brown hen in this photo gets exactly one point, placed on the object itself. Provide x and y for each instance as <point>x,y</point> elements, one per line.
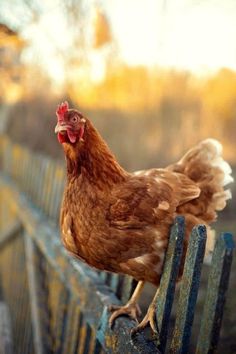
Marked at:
<point>118,221</point>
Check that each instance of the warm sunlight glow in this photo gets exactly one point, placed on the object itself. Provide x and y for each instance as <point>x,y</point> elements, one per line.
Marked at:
<point>196,36</point>
<point>188,35</point>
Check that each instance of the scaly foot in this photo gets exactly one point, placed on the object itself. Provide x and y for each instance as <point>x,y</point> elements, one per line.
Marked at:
<point>131,309</point>
<point>148,320</point>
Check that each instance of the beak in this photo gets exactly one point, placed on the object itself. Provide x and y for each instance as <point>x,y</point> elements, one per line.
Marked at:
<point>60,127</point>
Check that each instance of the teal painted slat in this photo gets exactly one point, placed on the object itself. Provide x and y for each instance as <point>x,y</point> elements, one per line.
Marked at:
<point>188,291</point>
<point>71,327</point>
<point>53,180</point>
<point>128,286</point>
<point>168,281</point>
<point>46,192</point>
<point>59,194</point>
<point>114,282</point>
<point>216,294</point>
<point>6,338</point>
<point>42,185</point>
<point>27,172</point>
<point>31,176</point>
<point>49,182</point>
<point>34,303</point>
<point>38,179</point>
<point>61,316</point>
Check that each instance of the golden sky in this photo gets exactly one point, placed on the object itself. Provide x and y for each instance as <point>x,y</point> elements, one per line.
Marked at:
<point>192,35</point>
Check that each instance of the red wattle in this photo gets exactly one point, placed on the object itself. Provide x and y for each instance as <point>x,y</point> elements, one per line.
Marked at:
<point>61,138</point>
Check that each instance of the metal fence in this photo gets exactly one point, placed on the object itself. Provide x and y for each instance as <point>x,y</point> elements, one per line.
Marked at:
<point>58,305</point>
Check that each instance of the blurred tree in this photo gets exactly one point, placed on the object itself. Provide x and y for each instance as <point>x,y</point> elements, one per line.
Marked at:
<point>18,14</point>
<point>102,31</point>
<point>11,45</point>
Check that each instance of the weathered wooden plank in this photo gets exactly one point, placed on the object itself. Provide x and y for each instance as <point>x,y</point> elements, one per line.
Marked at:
<point>72,325</point>
<point>118,341</point>
<point>49,183</point>
<point>114,282</point>
<point>38,179</point>
<point>45,308</point>
<point>188,291</point>
<point>54,190</point>
<point>60,177</point>
<point>128,286</point>
<point>45,188</point>
<point>215,296</point>
<point>10,233</point>
<point>33,192</point>
<point>14,284</point>
<point>28,171</point>
<point>34,303</point>
<point>168,281</point>
<point>61,313</point>
<point>84,338</point>
<point>31,177</point>
<point>6,344</point>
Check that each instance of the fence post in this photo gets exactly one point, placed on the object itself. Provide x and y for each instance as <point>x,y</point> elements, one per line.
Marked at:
<point>188,291</point>
<point>168,281</point>
<point>29,250</point>
<point>215,297</point>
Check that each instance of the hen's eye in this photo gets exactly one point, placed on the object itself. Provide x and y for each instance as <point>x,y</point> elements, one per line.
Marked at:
<point>74,119</point>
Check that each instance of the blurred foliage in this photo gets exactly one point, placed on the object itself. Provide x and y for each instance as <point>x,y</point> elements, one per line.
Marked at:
<point>102,31</point>
<point>11,68</point>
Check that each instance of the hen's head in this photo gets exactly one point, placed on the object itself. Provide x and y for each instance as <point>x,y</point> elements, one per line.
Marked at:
<point>70,124</point>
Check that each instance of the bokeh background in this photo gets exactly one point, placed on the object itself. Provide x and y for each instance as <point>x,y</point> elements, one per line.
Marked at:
<point>155,77</point>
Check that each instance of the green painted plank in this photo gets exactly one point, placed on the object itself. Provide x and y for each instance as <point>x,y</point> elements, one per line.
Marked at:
<point>34,303</point>
<point>216,295</point>
<point>168,281</point>
<point>72,325</point>
<point>6,341</point>
<point>188,291</point>
<point>10,233</point>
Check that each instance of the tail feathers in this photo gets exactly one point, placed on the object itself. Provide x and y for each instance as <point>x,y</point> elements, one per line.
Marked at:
<point>205,165</point>
<point>217,161</point>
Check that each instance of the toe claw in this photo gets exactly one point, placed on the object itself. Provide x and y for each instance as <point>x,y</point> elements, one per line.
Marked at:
<point>148,320</point>
<point>131,309</point>
<point>113,307</point>
<point>112,318</point>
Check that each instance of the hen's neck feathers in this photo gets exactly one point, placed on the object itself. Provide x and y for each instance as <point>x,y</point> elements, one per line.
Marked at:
<point>93,159</point>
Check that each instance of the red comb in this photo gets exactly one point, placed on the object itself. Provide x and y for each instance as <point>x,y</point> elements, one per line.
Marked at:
<point>62,108</point>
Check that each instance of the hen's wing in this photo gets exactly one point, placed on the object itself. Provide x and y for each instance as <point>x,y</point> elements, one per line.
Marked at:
<point>140,214</point>
<point>149,198</point>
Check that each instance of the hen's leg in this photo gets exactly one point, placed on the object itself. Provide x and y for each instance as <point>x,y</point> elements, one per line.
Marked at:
<point>131,309</point>
<point>149,318</point>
